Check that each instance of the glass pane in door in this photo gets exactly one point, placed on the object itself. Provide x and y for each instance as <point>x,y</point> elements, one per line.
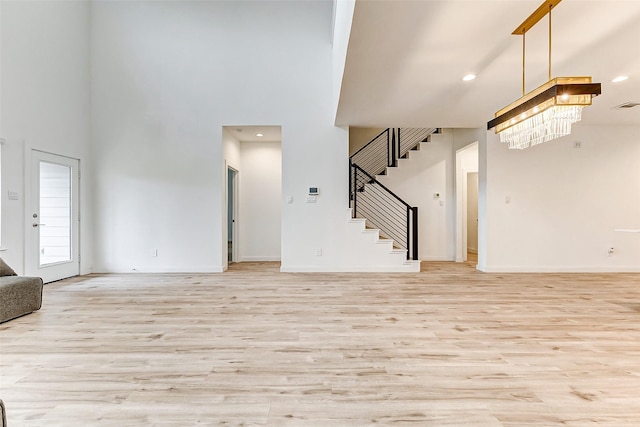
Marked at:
<point>55,213</point>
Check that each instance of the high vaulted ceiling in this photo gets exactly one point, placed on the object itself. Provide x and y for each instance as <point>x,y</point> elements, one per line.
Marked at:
<point>406,59</point>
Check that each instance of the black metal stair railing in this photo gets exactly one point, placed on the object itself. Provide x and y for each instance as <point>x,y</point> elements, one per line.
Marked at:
<point>377,154</point>
<point>384,210</point>
<point>409,138</point>
<point>387,147</point>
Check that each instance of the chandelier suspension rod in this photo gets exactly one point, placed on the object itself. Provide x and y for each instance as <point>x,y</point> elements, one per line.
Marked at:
<point>550,7</point>
<point>523,62</point>
<point>528,23</point>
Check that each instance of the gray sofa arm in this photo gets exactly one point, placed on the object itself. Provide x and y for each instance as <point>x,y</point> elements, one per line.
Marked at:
<point>19,296</point>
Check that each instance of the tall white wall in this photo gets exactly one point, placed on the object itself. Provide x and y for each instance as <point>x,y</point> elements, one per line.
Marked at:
<point>554,207</point>
<point>342,19</point>
<point>166,77</point>
<point>44,58</point>
<point>260,209</point>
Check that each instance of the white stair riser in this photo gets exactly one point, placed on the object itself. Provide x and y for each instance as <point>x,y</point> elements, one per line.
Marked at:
<point>380,255</point>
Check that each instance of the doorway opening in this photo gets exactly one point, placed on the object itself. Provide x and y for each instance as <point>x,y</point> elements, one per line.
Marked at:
<point>467,203</point>
<point>253,174</point>
<point>472,216</point>
<point>232,192</point>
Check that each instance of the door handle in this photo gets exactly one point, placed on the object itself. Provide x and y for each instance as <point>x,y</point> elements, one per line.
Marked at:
<point>36,225</point>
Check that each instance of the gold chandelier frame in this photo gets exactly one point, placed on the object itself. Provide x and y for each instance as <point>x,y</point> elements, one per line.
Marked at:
<point>548,111</point>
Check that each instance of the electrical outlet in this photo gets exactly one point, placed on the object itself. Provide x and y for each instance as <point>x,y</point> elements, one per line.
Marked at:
<point>319,252</point>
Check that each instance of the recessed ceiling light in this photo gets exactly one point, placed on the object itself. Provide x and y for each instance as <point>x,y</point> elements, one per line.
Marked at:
<point>620,79</point>
<point>469,77</point>
<point>259,134</point>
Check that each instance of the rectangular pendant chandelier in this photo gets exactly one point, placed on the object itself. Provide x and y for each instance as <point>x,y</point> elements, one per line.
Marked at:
<point>547,112</point>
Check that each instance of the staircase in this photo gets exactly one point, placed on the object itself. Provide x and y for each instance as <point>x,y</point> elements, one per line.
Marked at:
<point>377,207</point>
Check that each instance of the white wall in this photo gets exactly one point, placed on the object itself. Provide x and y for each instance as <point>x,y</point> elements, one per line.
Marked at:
<point>565,203</point>
<point>166,77</point>
<point>342,21</point>
<point>44,105</point>
<point>231,150</point>
<point>359,137</point>
<point>260,209</point>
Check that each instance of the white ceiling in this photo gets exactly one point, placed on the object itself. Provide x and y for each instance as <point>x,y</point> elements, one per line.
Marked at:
<point>250,133</point>
<point>406,59</point>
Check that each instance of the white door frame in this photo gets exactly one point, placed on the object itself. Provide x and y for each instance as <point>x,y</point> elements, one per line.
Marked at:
<point>234,210</point>
<point>462,170</point>
<point>59,270</point>
<point>470,219</point>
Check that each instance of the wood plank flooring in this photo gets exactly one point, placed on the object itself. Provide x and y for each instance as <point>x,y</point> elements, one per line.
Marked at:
<point>254,347</point>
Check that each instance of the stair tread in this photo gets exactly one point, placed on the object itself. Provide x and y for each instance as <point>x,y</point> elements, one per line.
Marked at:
<point>398,251</point>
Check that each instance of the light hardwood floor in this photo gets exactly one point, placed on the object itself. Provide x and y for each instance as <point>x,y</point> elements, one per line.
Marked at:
<point>446,347</point>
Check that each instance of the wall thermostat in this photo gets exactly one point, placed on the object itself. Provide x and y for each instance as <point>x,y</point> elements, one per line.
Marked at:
<point>313,191</point>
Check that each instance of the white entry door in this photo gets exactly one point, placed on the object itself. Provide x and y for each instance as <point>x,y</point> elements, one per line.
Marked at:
<point>53,218</point>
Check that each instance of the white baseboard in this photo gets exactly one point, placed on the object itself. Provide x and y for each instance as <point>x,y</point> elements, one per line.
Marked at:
<point>259,258</point>
<point>352,269</point>
<point>435,258</point>
<point>555,269</point>
<point>156,269</point>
